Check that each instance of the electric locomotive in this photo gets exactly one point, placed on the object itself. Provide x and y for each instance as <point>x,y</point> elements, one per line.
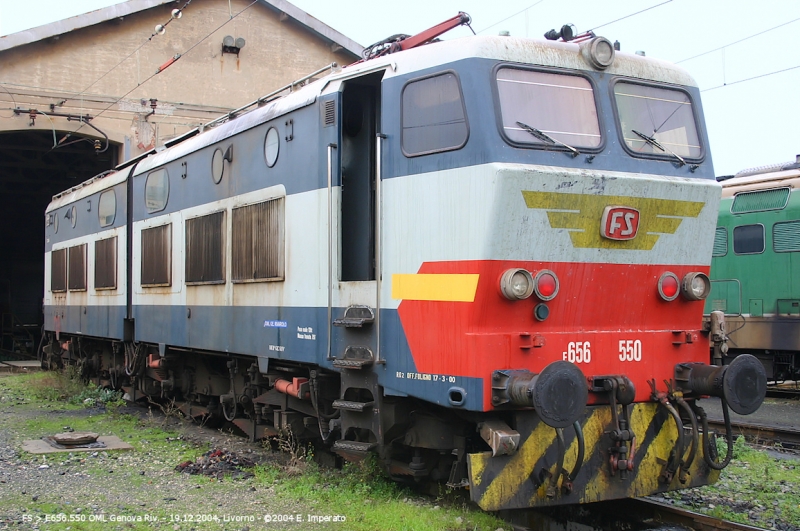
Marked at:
<point>482,259</point>
<point>753,267</point>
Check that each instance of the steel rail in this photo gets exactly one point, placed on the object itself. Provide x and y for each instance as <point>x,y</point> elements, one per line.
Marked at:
<point>783,392</point>
<point>789,438</point>
<point>626,513</point>
<point>670,514</point>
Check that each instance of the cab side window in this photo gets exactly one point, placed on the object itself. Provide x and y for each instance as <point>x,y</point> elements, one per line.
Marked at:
<point>433,115</point>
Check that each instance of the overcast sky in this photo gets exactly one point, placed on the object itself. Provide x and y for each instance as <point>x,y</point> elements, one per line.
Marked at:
<point>751,122</point>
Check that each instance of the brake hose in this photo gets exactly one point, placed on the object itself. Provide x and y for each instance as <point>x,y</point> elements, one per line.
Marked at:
<point>728,437</point>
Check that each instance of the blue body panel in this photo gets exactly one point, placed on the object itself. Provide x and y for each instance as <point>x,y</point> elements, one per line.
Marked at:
<point>90,321</point>
<point>300,334</point>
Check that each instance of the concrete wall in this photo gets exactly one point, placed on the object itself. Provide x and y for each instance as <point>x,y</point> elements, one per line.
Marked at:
<point>74,71</point>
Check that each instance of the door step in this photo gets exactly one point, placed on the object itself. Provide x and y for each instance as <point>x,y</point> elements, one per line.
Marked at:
<point>356,317</point>
<point>349,405</point>
<point>355,357</point>
<point>353,447</point>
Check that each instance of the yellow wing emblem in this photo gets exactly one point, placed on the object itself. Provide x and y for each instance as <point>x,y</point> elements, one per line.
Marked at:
<point>581,214</point>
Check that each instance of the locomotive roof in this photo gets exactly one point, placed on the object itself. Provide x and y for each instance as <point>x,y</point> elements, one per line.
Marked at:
<point>511,49</point>
<point>790,178</point>
<point>89,187</point>
<point>536,52</point>
<point>516,50</point>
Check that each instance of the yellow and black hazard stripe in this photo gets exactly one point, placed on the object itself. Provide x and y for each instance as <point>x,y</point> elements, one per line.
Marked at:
<point>520,480</point>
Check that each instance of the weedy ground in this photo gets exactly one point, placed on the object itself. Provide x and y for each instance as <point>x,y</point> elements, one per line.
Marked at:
<point>761,487</point>
<point>141,490</point>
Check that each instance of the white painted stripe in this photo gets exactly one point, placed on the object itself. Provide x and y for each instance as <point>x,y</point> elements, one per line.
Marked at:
<point>474,213</point>
<point>478,213</point>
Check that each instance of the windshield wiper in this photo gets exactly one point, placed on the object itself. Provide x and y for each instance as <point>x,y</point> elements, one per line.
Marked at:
<point>655,143</point>
<point>544,137</point>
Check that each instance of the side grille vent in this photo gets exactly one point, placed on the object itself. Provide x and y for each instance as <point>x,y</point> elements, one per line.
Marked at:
<point>329,113</point>
<point>58,271</point>
<point>258,241</point>
<point>786,237</point>
<point>205,249</point>
<point>76,268</point>
<point>105,263</point>
<point>720,242</point>
<point>760,201</point>
<point>157,256</point>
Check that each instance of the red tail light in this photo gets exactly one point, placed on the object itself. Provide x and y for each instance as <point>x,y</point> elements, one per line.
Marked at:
<point>545,285</point>
<point>668,286</point>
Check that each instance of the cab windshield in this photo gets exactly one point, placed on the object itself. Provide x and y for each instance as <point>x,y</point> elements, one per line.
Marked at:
<point>560,106</point>
<point>661,115</point>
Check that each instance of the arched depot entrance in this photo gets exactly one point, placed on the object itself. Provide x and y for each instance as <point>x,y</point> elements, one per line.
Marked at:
<point>31,172</point>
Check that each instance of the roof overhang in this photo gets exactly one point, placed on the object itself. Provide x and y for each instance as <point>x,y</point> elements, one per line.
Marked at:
<point>54,29</point>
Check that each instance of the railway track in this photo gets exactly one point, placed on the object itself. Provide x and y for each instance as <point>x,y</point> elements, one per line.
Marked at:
<point>788,438</point>
<point>783,391</point>
<point>640,514</point>
<point>652,512</point>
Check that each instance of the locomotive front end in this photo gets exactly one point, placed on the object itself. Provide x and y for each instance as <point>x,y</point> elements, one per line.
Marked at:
<point>590,349</point>
<point>576,268</point>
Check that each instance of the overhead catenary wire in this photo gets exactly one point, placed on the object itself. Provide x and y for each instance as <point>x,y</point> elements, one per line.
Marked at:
<point>750,78</point>
<point>737,42</point>
<point>14,101</point>
<point>511,16</point>
<point>175,58</point>
<point>594,28</point>
<point>155,33</point>
<point>631,15</point>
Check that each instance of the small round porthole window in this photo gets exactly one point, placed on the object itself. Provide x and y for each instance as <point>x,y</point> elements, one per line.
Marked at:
<point>73,216</point>
<point>217,166</point>
<point>272,145</point>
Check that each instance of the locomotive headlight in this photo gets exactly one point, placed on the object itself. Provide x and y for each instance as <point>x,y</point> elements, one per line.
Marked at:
<point>545,284</point>
<point>516,284</point>
<point>599,52</point>
<point>695,286</point>
<point>668,286</point>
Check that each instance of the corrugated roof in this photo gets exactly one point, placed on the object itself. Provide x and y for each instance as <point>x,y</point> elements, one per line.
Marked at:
<point>130,7</point>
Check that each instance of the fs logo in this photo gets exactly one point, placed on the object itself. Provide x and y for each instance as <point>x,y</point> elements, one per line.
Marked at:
<point>619,223</point>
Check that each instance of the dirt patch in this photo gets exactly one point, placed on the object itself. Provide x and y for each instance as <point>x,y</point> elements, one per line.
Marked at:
<point>105,490</point>
<point>219,463</point>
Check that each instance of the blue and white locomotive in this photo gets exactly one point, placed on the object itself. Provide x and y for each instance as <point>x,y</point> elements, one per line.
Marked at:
<point>478,258</point>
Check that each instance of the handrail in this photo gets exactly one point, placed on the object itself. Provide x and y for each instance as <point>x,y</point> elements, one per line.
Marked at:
<point>265,99</point>
<point>378,266</point>
<point>331,147</point>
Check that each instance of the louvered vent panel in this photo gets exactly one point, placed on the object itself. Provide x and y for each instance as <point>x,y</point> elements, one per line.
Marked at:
<point>720,242</point>
<point>105,263</point>
<point>157,256</point>
<point>760,201</point>
<point>58,271</point>
<point>205,249</point>
<point>329,113</point>
<point>76,268</point>
<point>786,237</point>
<point>258,242</point>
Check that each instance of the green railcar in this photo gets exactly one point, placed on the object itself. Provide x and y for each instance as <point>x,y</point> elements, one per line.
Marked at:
<point>755,267</point>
